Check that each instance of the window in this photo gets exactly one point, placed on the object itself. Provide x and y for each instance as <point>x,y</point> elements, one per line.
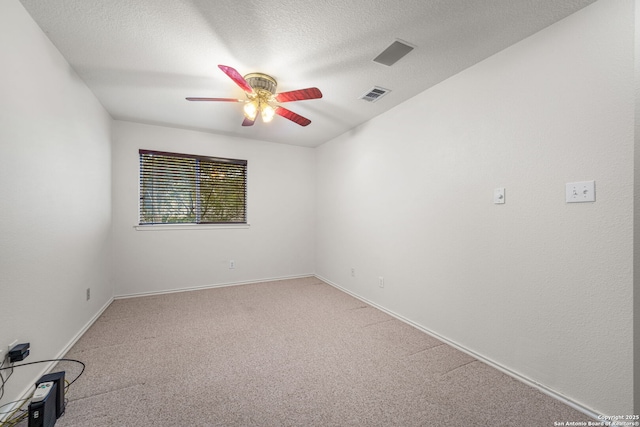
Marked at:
<point>181,188</point>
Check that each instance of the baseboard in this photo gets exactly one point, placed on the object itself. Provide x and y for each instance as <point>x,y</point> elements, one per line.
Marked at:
<point>577,406</point>
<point>549,392</point>
<point>26,394</point>
<point>211,286</point>
<point>84,329</point>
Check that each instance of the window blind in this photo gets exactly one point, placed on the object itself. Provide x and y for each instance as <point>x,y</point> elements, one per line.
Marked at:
<point>183,188</point>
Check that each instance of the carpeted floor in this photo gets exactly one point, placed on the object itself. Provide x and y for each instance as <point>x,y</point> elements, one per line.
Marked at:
<point>286,353</point>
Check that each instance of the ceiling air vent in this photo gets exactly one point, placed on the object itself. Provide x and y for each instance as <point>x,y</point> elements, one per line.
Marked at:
<point>396,51</point>
<point>374,94</point>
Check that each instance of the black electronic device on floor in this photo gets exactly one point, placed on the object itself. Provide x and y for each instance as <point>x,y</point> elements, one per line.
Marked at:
<point>47,402</point>
<point>58,378</point>
<point>42,409</point>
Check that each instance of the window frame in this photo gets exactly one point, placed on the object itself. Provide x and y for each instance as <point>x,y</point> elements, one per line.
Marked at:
<point>197,223</point>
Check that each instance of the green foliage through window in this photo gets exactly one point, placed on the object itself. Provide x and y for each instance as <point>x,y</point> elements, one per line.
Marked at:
<point>181,188</point>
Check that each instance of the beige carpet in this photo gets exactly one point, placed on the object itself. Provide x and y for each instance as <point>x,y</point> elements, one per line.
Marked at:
<point>286,353</point>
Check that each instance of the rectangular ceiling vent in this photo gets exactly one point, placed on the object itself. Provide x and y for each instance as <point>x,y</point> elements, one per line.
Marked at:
<point>396,51</point>
<point>375,94</point>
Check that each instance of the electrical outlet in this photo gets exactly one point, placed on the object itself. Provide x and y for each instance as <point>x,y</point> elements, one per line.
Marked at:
<point>10,346</point>
<point>232,264</point>
<point>381,281</point>
<point>353,272</point>
<point>88,294</point>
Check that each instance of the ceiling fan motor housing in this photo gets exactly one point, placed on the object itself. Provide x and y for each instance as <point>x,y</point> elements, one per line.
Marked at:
<point>259,82</point>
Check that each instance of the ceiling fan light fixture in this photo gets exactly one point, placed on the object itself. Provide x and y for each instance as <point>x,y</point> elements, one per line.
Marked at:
<point>262,98</point>
<point>251,109</point>
<point>267,113</point>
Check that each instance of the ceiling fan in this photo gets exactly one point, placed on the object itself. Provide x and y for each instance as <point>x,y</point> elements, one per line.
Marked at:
<point>262,97</point>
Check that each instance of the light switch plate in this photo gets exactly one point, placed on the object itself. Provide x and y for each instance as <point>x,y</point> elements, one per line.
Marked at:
<point>498,196</point>
<point>579,192</point>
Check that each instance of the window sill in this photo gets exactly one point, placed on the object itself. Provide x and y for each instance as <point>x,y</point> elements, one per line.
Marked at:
<point>163,227</point>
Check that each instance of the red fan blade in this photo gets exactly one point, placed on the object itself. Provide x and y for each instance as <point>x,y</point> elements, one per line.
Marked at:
<point>299,95</point>
<point>296,118</point>
<point>215,99</point>
<point>248,122</point>
<point>236,77</point>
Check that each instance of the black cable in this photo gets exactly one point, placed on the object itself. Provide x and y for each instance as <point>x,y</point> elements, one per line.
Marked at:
<point>19,413</point>
<point>51,360</point>
<point>3,379</point>
<point>11,403</point>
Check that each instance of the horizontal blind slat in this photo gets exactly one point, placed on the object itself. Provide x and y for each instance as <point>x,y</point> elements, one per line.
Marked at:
<point>178,188</point>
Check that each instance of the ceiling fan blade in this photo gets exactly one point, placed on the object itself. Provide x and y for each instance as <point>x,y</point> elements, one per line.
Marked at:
<point>299,95</point>
<point>236,77</point>
<point>296,118</point>
<point>215,99</point>
<point>248,122</point>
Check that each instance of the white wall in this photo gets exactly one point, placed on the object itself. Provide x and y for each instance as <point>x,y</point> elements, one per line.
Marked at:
<point>636,227</point>
<point>281,212</point>
<point>538,286</point>
<point>55,197</point>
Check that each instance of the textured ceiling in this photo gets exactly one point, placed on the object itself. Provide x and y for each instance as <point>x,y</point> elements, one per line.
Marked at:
<point>141,58</point>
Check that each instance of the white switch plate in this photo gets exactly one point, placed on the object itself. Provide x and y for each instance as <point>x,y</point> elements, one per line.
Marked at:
<point>579,192</point>
<point>498,196</point>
